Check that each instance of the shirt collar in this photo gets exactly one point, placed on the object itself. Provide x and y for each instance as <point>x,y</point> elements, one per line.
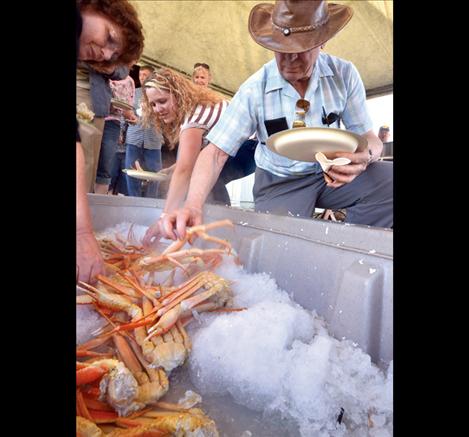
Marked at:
<point>275,81</point>
<point>323,66</point>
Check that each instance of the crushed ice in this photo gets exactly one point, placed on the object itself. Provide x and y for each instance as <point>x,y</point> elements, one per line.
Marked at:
<point>278,358</point>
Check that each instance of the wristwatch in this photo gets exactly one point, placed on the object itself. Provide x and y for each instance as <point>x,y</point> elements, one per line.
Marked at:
<point>370,157</point>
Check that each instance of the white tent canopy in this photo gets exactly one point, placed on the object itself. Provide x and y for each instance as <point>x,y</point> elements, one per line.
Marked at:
<point>180,33</point>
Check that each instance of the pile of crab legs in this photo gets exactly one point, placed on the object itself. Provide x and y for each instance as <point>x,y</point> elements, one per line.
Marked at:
<point>119,390</point>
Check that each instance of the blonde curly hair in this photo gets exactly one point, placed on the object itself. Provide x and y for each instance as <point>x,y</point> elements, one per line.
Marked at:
<point>187,96</point>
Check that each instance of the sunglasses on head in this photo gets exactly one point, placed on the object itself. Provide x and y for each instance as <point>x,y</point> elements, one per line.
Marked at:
<point>302,105</point>
<point>301,108</point>
<point>198,64</point>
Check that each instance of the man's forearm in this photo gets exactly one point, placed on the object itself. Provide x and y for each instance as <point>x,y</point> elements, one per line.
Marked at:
<point>206,171</point>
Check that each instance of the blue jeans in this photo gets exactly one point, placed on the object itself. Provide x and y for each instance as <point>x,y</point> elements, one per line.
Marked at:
<point>241,165</point>
<point>236,167</point>
<point>150,160</point>
<point>118,181</point>
<point>108,151</point>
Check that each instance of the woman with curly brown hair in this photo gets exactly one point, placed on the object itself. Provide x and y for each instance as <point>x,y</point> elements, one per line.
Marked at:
<point>184,112</point>
<point>109,34</point>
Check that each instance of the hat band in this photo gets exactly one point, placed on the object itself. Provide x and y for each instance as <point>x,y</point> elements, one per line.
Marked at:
<point>288,30</point>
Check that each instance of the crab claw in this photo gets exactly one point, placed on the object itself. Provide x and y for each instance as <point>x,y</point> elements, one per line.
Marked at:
<point>171,317</point>
<point>167,321</point>
<point>89,374</point>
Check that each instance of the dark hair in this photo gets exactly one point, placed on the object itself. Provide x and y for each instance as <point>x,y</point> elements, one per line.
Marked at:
<point>147,67</point>
<point>124,15</point>
<point>199,64</point>
<point>384,129</point>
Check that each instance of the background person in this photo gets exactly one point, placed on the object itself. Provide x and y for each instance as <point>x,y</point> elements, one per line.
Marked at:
<point>201,74</point>
<point>123,90</point>
<point>93,91</point>
<point>143,144</point>
<point>384,135</point>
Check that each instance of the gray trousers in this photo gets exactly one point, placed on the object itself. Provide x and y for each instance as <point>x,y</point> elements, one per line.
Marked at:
<point>368,199</point>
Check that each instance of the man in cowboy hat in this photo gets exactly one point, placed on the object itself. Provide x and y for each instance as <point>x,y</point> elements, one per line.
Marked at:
<point>296,31</point>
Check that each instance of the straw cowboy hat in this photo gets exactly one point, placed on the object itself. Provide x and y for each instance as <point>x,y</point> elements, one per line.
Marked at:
<point>294,26</point>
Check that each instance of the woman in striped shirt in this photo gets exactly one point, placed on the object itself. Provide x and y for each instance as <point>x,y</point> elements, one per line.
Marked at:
<point>184,112</point>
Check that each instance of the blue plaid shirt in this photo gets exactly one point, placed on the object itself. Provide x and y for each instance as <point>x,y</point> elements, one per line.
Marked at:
<point>266,95</point>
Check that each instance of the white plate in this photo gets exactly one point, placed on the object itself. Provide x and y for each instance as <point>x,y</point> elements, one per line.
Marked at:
<point>302,143</point>
<point>120,104</point>
<point>145,175</point>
